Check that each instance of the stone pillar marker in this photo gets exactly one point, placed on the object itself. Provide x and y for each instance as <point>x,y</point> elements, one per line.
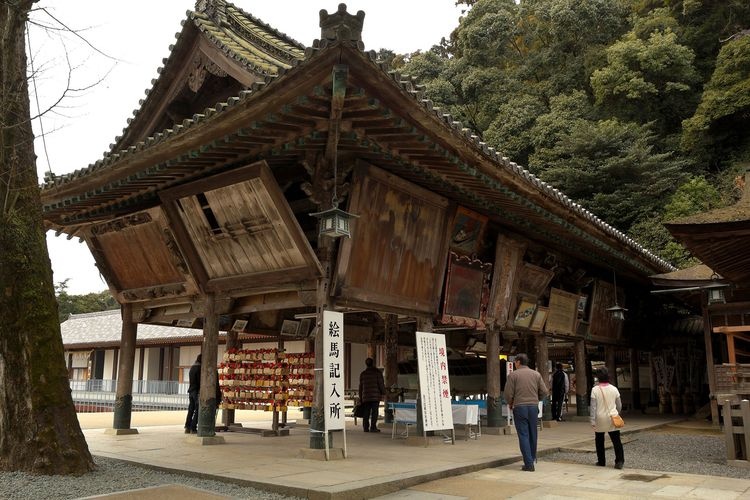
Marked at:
<point>124,396</point>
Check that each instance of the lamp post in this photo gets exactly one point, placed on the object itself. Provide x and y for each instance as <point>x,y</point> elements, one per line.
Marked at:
<point>616,311</point>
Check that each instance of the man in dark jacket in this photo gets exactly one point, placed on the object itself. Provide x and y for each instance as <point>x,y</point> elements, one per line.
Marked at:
<point>558,391</point>
<point>194,392</point>
<point>371,391</point>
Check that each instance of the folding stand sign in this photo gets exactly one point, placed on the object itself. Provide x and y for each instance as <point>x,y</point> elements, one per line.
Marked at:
<point>434,384</point>
<point>333,376</point>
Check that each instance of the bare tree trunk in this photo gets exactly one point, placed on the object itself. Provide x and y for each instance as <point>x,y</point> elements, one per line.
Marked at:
<point>39,430</point>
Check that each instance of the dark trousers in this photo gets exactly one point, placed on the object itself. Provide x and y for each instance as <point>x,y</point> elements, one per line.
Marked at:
<point>191,421</point>
<point>557,407</point>
<point>616,444</point>
<point>525,419</point>
<point>371,409</point>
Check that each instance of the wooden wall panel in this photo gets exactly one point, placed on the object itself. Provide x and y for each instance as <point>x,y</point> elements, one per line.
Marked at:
<point>136,254</point>
<point>601,322</point>
<point>397,254</point>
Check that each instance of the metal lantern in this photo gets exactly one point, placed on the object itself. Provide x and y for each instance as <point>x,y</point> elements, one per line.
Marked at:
<point>334,222</point>
<point>716,296</point>
<point>617,312</point>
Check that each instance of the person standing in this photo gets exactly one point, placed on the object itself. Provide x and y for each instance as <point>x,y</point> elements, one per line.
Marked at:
<point>371,391</point>
<point>559,390</point>
<point>523,391</point>
<point>605,401</point>
<point>194,393</point>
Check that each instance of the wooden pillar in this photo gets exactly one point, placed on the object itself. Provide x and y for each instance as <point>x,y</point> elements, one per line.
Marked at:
<point>707,340</point>
<point>124,396</point>
<point>391,362</point>
<point>508,259</point>
<point>317,415</point>
<point>494,406</point>
<point>611,363</point>
<point>233,342</point>
<point>653,395</point>
<point>209,349</point>
<point>542,362</point>
<point>582,405</point>
<point>635,379</point>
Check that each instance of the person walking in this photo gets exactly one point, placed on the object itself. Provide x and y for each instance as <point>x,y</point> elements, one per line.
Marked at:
<point>371,391</point>
<point>523,391</point>
<point>559,390</point>
<point>605,401</point>
<point>194,392</point>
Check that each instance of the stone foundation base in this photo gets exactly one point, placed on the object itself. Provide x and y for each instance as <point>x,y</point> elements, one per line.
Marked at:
<point>120,432</point>
<point>204,440</point>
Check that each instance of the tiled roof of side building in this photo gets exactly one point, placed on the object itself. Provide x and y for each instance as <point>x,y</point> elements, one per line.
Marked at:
<point>106,327</point>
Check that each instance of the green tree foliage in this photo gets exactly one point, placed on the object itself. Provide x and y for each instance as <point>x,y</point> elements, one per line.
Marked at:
<point>77,304</point>
<point>611,168</point>
<point>649,76</point>
<point>719,128</point>
<point>694,196</point>
<point>601,97</point>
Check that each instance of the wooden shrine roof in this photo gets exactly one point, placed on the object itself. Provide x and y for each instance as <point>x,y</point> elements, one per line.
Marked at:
<point>387,121</point>
<point>719,238</point>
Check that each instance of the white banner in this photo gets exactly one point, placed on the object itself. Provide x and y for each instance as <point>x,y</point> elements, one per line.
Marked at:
<point>434,385</point>
<point>333,369</point>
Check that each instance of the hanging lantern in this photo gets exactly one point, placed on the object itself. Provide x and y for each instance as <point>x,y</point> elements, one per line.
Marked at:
<point>716,296</point>
<point>334,222</point>
<point>617,312</point>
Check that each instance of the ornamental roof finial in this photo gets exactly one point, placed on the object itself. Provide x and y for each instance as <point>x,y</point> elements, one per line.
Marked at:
<point>341,25</point>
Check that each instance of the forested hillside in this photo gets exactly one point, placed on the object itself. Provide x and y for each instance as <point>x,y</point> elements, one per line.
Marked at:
<point>637,109</point>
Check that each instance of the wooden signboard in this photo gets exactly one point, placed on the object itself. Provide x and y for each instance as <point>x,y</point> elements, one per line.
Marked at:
<point>563,311</point>
<point>533,280</point>
<point>466,292</point>
<point>524,314</point>
<point>508,260</point>
<point>467,232</point>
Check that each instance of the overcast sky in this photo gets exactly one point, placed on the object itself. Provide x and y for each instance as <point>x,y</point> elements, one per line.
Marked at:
<point>120,47</point>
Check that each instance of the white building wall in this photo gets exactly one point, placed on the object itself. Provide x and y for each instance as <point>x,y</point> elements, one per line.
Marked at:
<point>151,363</point>
<point>357,364</point>
<point>109,362</point>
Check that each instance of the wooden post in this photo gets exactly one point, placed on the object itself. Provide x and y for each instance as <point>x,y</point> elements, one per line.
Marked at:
<point>124,396</point>
<point>635,379</point>
<point>391,362</point>
<point>508,259</point>
<point>209,349</point>
<point>542,362</point>
<point>711,372</point>
<point>423,325</point>
<point>611,363</point>
<point>494,407</point>
<point>317,416</point>
<point>582,406</point>
<point>227,416</point>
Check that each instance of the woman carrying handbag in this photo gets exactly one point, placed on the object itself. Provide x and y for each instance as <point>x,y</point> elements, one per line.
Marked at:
<point>605,402</point>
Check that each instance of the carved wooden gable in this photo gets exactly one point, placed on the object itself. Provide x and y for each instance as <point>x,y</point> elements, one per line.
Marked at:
<point>239,233</point>
<point>138,256</point>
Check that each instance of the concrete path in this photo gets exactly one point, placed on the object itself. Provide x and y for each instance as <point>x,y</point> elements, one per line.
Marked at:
<point>378,466</point>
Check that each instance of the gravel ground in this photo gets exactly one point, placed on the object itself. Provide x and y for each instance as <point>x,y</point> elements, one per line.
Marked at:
<point>110,476</point>
<point>666,452</point>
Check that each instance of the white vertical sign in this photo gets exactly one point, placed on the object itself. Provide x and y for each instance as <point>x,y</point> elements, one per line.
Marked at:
<point>434,385</point>
<point>333,369</point>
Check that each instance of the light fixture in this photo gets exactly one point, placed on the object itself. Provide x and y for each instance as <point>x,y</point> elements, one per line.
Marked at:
<point>716,292</point>
<point>616,311</point>
<point>334,222</point>
<point>716,296</point>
